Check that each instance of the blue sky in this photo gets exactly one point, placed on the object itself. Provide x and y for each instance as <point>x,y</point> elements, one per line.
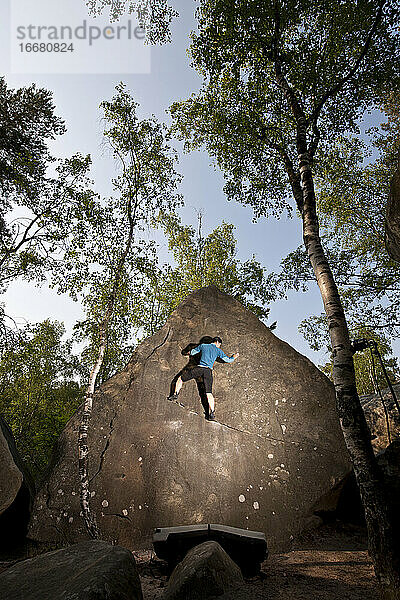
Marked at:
<point>77,98</point>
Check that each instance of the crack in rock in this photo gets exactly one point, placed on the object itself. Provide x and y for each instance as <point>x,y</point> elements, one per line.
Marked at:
<point>48,495</point>
<point>259,435</point>
<point>159,345</point>
<point>103,453</point>
<point>118,515</point>
<point>192,412</point>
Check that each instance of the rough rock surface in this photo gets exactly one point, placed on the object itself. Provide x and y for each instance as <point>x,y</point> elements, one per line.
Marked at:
<point>375,415</point>
<point>206,571</point>
<point>16,490</point>
<point>87,571</point>
<point>392,222</point>
<point>276,449</point>
<point>344,500</point>
<point>11,477</point>
<point>389,461</point>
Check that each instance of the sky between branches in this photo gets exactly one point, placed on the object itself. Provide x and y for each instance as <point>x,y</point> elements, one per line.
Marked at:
<point>77,98</point>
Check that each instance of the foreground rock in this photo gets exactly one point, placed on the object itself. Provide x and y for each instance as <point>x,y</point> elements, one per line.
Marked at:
<point>16,490</point>
<point>392,222</point>
<point>277,447</point>
<point>85,571</point>
<point>376,418</point>
<point>206,571</point>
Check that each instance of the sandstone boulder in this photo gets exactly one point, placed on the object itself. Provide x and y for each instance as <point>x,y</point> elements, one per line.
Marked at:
<point>87,571</point>
<point>389,461</point>
<point>205,572</point>
<point>16,490</point>
<point>11,477</point>
<point>276,448</point>
<point>392,222</point>
<point>344,499</point>
<point>375,414</point>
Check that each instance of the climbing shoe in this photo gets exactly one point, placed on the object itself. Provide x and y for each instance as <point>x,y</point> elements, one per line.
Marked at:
<point>211,416</point>
<point>173,397</point>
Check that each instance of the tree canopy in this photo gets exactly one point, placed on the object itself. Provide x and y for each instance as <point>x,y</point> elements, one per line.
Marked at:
<point>353,188</point>
<point>282,81</point>
<point>212,259</point>
<point>107,242</point>
<point>39,389</point>
<point>257,58</point>
<point>37,191</point>
<point>155,16</point>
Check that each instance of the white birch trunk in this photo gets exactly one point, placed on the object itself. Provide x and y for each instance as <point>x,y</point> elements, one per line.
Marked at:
<point>83,449</point>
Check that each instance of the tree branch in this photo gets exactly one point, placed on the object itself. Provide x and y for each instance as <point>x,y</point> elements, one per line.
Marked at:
<point>294,177</point>
<point>336,88</point>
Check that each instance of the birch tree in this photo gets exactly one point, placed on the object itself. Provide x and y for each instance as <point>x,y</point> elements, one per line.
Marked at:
<point>352,199</point>
<point>100,262</point>
<point>202,260</point>
<point>282,79</point>
<point>155,16</point>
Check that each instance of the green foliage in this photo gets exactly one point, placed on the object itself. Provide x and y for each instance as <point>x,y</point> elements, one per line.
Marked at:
<point>129,320</point>
<point>155,16</point>
<point>389,143</point>
<point>39,390</point>
<point>102,264</point>
<point>267,77</point>
<point>205,260</point>
<point>369,374</point>
<point>35,206</point>
<point>27,122</point>
<point>352,205</point>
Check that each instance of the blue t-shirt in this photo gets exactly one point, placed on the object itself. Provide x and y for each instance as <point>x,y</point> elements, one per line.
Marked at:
<point>209,354</point>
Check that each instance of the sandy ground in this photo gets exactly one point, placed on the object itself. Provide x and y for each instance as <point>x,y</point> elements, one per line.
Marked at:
<point>331,563</point>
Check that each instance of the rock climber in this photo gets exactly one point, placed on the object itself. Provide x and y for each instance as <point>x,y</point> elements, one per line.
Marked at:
<point>203,372</point>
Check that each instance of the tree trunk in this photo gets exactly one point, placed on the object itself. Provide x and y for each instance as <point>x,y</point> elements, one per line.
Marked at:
<point>83,449</point>
<point>384,546</point>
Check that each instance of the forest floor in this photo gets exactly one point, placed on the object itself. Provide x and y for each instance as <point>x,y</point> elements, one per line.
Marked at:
<point>329,563</point>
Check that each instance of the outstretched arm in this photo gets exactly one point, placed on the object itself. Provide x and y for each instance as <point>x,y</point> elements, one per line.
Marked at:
<point>228,359</point>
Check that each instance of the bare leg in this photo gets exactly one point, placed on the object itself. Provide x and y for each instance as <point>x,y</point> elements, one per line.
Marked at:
<point>178,385</point>
<point>211,401</point>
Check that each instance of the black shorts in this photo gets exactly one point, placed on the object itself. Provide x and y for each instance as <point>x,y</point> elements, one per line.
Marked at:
<point>203,374</point>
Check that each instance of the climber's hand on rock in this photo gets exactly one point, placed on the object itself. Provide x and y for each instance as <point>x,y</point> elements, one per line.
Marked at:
<point>236,355</point>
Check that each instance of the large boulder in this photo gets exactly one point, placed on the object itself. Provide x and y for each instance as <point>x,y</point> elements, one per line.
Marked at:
<point>153,463</point>
<point>11,476</point>
<point>87,571</point>
<point>344,501</point>
<point>374,410</point>
<point>205,572</point>
<point>389,461</point>
<point>392,221</point>
<point>16,490</point>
